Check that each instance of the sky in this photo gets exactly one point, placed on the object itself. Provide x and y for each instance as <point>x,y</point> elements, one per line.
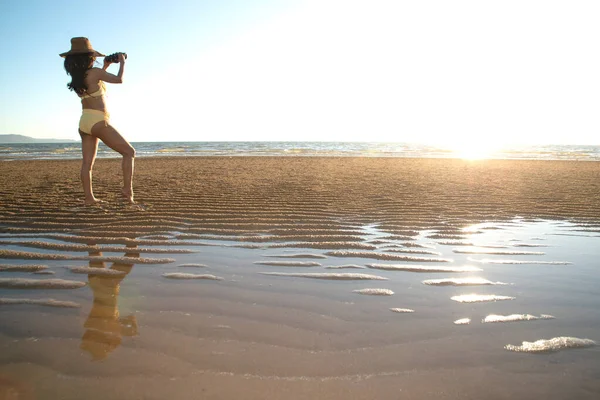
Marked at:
<point>426,71</point>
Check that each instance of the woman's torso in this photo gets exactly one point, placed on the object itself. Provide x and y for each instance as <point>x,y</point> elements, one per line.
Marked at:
<point>94,96</point>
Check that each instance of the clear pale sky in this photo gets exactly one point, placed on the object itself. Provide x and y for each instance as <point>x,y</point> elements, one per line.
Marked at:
<point>440,71</point>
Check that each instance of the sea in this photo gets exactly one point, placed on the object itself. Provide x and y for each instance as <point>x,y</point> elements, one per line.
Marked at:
<point>72,150</point>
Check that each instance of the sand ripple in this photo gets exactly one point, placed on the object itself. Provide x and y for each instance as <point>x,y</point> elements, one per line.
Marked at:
<point>422,268</point>
<point>39,302</point>
<point>297,255</point>
<point>331,276</point>
<point>348,266</point>
<point>96,271</point>
<point>180,275</point>
<point>446,236</point>
<point>491,261</point>
<point>499,252</point>
<point>476,298</point>
<point>21,283</point>
<point>44,272</point>
<point>289,263</point>
<point>22,268</point>
<point>374,292</point>
<point>414,251</point>
<point>383,256</point>
<point>82,247</point>
<point>551,345</point>
<point>461,282</point>
<point>25,255</point>
<point>325,245</point>
<point>454,243</point>
<point>192,265</point>
<point>514,317</point>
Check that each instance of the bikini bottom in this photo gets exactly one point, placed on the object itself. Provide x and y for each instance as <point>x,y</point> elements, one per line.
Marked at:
<point>90,117</point>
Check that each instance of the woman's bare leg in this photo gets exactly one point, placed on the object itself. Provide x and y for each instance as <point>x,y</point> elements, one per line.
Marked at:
<point>113,139</point>
<point>89,148</point>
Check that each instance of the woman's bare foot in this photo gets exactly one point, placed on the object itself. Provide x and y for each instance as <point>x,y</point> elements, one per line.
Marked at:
<point>93,201</point>
<point>127,196</point>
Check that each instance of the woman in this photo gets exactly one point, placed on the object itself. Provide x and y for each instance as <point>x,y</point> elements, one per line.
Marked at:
<point>88,83</point>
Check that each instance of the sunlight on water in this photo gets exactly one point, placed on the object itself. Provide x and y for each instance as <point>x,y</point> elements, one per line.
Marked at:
<point>257,307</point>
<point>471,150</point>
<point>474,150</point>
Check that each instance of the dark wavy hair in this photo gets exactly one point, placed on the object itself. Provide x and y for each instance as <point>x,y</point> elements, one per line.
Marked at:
<point>77,65</point>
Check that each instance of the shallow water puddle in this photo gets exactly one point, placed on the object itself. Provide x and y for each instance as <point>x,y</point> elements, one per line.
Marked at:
<point>302,303</point>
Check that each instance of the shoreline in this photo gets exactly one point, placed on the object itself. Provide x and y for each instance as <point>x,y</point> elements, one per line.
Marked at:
<point>309,156</point>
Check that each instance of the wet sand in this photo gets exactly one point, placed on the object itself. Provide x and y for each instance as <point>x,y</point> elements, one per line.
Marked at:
<point>236,278</point>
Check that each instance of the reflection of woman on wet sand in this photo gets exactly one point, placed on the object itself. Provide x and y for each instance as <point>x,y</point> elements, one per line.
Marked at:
<point>104,326</point>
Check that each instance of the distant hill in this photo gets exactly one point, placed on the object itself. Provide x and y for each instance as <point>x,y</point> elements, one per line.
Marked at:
<point>27,139</point>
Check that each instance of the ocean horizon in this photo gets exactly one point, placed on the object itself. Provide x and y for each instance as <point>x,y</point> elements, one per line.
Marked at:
<point>72,150</point>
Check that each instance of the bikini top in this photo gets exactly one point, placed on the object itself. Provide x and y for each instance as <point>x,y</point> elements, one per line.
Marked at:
<point>98,93</point>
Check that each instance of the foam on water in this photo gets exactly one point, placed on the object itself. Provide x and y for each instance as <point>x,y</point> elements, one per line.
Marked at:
<point>289,263</point>
<point>39,302</point>
<point>332,276</point>
<point>462,321</point>
<point>22,268</point>
<point>476,298</point>
<point>180,275</point>
<point>422,268</point>
<point>96,271</point>
<point>402,310</point>
<point>514,317</point>
<point>349,266</point>
<point>374,292</point>
<point>551,345</point>
<point>22,283</point>
<point>461,282</point>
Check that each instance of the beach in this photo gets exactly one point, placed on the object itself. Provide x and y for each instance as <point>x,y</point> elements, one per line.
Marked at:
<point>301,278</point>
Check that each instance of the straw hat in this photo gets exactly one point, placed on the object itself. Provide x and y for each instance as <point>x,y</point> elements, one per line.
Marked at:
<point>81,45</point>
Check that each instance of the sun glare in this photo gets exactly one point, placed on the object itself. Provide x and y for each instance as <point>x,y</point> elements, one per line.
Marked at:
<point>474,150</point>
